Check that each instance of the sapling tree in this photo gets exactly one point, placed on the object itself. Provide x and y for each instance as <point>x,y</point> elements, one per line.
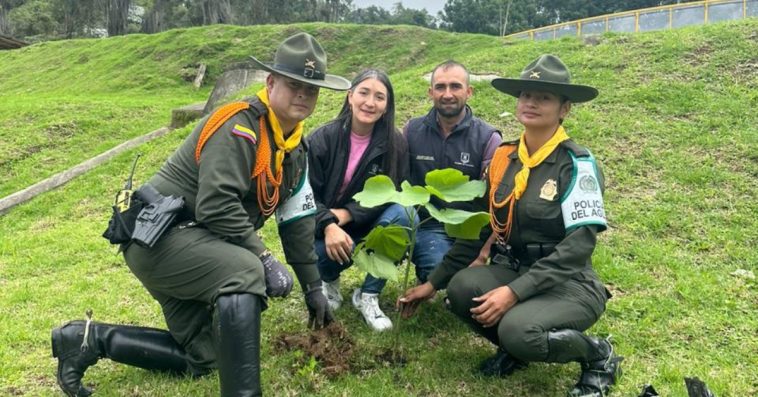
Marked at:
<point>386,246</point>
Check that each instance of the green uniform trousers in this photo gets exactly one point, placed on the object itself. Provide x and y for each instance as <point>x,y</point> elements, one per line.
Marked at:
<point>185,272</point>
<point>522,332</point>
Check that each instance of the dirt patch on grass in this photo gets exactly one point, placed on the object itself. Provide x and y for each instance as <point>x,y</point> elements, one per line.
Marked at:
<point>334,350</point>
<point>332,347</point>
<point>391,358</point>
<point>745,73</point>
<point>57,131</point>
<point>13,391</point>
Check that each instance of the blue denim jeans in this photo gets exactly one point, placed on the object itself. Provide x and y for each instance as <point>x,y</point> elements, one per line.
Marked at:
<point>432,243</point>
<point>330,270</point>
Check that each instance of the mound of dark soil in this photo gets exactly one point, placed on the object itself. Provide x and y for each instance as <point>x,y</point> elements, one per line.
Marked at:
<point>332,347</point>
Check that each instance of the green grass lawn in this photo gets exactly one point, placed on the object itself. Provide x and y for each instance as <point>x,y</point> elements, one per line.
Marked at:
<point>674,128</point>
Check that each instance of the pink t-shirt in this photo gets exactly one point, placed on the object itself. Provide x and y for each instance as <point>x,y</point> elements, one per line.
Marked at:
<point>358,145</point>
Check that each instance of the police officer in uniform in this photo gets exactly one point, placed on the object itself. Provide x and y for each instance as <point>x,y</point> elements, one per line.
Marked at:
<point>210,272</point>
<point>539,292</point>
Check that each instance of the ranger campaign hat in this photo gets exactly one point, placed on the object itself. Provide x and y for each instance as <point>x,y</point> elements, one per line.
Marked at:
<point>546,73</point>
<point>300,57</point>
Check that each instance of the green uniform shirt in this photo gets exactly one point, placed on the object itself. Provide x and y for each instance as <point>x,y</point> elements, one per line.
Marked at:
<point>538,219</point>
<point>221,195</point>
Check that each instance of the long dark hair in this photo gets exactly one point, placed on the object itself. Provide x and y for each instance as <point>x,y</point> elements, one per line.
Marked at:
<point>384,127</point>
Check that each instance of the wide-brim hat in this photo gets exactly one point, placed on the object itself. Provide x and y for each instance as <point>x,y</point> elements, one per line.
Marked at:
<point>546,73</point>
<point>300,57</point>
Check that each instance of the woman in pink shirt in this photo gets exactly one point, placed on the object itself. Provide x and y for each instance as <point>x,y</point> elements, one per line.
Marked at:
<point>360,143</point>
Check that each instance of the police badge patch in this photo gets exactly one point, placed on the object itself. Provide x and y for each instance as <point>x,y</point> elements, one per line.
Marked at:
<point>549,190</point>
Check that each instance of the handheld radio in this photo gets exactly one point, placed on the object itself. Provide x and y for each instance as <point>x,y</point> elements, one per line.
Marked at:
<point>124,197</point>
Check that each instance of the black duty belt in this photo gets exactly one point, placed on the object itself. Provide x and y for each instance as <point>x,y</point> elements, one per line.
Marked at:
<point>506,255</point>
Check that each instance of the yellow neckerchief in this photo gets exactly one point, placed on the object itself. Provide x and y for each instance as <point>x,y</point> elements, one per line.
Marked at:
<point>529,162</point>
<point>284,146</point>
<point>521,179</point>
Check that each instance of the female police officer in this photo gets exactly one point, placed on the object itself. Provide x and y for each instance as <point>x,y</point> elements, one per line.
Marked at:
<point>238,167</point>
<point>544,195</point>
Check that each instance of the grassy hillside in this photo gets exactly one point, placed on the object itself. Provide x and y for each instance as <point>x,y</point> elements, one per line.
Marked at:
<point>674,129</point>
<point>65,101</point>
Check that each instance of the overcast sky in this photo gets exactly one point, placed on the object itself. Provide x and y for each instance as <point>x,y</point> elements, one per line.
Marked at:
<point>432,6</point>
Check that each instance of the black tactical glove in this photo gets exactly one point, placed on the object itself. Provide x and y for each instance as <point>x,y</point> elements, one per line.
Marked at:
<point>278,280</point>
<point>319,314</point>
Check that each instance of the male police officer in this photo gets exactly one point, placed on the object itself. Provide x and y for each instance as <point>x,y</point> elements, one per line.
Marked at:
<point>449,136</point>
<point>240,165</point>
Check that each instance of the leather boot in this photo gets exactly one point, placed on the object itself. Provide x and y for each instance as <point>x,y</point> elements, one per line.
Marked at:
<point>600,365</point>
<point>147,348</point>
<point>237,325</point>
<point>501,364</point>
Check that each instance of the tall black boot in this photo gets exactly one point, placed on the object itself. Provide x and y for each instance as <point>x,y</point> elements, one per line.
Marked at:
<point>600,365</point>
<point>237,325</point>
<point>501,364</point>
<point>148,348</point>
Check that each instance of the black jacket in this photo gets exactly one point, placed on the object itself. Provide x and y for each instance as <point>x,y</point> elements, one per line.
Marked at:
<point>328,152</point>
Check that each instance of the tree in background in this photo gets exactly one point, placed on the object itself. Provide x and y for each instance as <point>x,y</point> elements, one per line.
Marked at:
<point>117,14</point>
<point>31,19</point>
<point>49,19</point>
<point>77,17</point>
<point>409,16</point>
<point>6,6</point>
<point>372,15</point>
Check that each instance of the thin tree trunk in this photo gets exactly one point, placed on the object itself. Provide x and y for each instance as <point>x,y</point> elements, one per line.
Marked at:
<point>4,25</point>
<point>118,15</point>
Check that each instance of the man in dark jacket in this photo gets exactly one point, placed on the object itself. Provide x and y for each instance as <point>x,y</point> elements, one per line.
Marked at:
<point>449,136</point>
<point>209,272</point>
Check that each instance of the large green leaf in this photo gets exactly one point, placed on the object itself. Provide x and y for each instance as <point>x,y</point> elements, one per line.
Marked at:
<point>374,263</point>
<point>391,241</point>
<point>451,185</point>
<point>411,195</point>
<point>376,191</point>
<point>470,228</point>
<point>460,223</point>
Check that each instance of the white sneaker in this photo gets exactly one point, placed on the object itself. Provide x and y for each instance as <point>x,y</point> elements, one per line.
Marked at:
<point>368,305</point>
<point>332,292</point>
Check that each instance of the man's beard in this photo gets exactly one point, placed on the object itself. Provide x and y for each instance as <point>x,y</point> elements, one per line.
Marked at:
<point>448,112</point>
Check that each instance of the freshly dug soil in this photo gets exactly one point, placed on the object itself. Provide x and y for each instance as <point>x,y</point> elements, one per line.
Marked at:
<point>331,346</point>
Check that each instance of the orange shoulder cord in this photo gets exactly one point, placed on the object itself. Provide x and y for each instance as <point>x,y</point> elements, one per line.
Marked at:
<point>217,119</point>
<point>498,166</point>
<point>266,202</point>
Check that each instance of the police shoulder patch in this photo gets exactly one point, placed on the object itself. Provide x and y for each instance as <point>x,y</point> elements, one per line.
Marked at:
<point>582,204</point>
<point>300,204</point>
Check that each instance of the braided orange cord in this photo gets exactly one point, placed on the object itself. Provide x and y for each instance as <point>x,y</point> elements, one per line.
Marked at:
<point>217,119</point>
<point>266,202</point>
<point>498,166</point>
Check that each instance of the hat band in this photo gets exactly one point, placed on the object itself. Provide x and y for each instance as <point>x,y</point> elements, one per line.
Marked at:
<point>309,73</point>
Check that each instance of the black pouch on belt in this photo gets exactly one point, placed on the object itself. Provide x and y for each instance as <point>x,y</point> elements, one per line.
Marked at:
<point>502,254</point>
<point>156,216</point>
<point>121,224</point>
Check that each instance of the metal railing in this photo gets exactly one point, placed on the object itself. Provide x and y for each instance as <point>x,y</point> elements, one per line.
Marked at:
<point>646,19</point>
